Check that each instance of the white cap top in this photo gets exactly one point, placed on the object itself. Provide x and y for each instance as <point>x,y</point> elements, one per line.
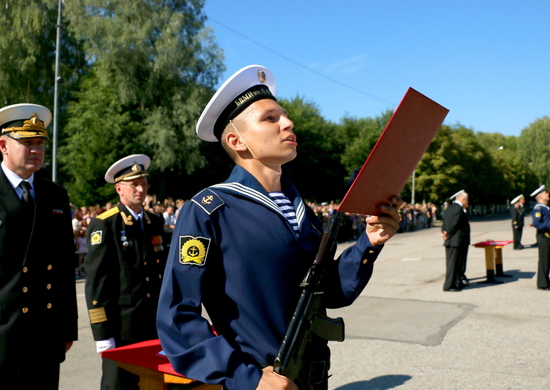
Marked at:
<point>455,195</point>
<point>516,199</point>
<point>538,190</point>
<point>128,168</point>
<point>242,89</point>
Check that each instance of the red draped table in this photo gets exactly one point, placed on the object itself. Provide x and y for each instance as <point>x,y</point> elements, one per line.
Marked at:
<point>493,258</point>
<point>155,372</point>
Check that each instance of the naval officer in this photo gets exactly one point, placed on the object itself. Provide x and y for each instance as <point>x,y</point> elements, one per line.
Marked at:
<point>124,268</point>
<point>242,247</point>
<point>455,231</point>
<point>541,221</point>
<point>517,213</point>
<point>38,313</point>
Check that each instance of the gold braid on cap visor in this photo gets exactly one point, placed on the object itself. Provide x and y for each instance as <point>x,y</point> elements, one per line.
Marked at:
<point>32,127</point>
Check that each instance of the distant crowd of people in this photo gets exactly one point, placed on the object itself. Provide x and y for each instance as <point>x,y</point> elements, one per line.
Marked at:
<point>412,217</point>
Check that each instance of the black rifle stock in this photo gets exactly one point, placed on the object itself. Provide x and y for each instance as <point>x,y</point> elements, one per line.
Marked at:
<point>306,319</point>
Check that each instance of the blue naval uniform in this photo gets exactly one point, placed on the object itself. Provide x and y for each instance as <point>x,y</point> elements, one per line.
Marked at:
<point>541,221</point>
<point>235,252</point>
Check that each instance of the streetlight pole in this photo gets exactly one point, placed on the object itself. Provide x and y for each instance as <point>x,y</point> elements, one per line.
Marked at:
<point>56,92</point>
<point>412,196</point>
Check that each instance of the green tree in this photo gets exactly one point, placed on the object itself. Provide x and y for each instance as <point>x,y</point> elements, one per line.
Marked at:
<point>440,169</point>
<point>153,68</point>
<point>27,56</point>
<point>518,176</point>
<point>360,136</point>
<point>534,147</point>
<point>27,53</point>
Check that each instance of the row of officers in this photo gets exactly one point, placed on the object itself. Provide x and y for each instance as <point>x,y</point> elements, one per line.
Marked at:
<point>125,263</point>
<point>455,231</point>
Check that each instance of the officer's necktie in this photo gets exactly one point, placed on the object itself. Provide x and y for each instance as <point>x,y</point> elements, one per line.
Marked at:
<point>138,223</point>
<point>27,197</point>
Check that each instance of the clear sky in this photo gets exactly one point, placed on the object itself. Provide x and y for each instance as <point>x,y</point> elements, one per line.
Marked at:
<point>487,61</point>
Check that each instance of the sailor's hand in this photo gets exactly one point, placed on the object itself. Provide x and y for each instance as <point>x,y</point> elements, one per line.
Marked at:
<point>380,228</point>
<point>270,380</point>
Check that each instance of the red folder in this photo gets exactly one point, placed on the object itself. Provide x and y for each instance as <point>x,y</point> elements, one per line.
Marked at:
<point>396,154</point>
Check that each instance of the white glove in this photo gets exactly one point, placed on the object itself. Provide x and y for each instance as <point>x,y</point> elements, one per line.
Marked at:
<point>105,345</point>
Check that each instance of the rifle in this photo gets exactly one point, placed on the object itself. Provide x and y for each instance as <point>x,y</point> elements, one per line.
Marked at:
<point>306,319</point>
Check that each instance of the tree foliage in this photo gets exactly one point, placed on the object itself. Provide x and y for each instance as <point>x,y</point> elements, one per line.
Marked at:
<point>27,54</point>
<point>534,147</point>
<point>153,68</point>
<point>28,31</point>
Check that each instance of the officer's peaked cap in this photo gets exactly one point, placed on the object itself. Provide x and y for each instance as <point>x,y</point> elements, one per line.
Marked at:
<point>128,168</point>
<point>25,120</point>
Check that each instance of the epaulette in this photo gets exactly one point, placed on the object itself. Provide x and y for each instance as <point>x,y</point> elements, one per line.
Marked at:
<point>108,213</point>
<point>208,200</point>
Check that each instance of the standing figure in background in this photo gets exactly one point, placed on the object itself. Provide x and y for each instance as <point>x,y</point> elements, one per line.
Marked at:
<point>517,213</point>
<point>124,268</point>
<point>541,221</point>
<point>38,313</point>
<point>455,230</point>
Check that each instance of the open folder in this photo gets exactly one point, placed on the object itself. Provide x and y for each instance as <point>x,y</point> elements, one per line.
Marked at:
<point>396,154</point>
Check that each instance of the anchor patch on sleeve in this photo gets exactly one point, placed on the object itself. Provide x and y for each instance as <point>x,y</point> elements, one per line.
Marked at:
<point>193,250</point>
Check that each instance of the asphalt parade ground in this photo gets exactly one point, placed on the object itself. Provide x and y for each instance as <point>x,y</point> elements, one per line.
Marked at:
<point>405,332</point>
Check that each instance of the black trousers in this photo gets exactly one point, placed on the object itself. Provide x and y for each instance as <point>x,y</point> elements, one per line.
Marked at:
<point>45,377</point>
<point>543,244</point>
<point>517,236</point>
<point>455,266</point>
<point>115,378</point>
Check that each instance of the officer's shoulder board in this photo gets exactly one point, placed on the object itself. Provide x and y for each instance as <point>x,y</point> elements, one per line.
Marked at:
<point>208,201</point>
<point>109,213</point>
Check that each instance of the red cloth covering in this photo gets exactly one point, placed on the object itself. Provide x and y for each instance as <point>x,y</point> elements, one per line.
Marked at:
<point>491,243</point>
<point>144,354</point>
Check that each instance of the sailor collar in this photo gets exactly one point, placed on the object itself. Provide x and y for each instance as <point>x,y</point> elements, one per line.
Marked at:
<point>241,182</point>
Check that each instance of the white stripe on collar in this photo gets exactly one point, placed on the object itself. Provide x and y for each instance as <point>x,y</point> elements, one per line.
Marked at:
<point>261,198</point>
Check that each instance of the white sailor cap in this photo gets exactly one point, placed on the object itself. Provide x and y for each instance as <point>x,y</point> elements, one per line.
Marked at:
<point>246,86</point>
<point>128,168</point>
<point>25,120</point>
<point>538,190</point>
<point>458,193</point>
<point>516,199</point>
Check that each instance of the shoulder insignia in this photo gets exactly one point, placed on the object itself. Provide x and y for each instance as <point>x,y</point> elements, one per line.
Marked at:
<point>208,200</point>
<point>127,218</point>
<point>193,250</point>
<point>108,213</point>
<point>147,219</point>
<point>96,238</point>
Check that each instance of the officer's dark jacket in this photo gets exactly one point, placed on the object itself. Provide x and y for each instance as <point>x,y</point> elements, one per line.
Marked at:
<point>124,269</point>
<point>456,224</point>
<point>38,311</point>
<point>235,252</point>
<point>518,215</point>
